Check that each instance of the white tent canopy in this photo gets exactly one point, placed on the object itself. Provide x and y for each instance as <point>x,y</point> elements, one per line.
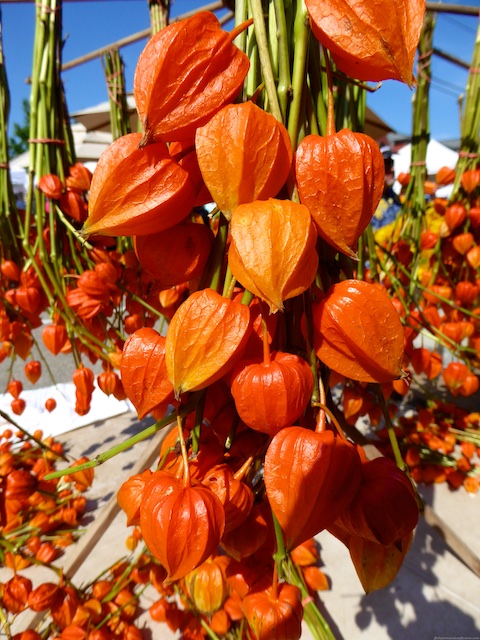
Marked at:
<point>89,145</point>
<point>438,155</point>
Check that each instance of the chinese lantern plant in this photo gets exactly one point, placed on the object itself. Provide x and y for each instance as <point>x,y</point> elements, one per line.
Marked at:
<point>238,410</point>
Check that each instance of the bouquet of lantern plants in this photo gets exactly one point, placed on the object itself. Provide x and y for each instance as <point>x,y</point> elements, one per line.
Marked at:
<point>267,311</point>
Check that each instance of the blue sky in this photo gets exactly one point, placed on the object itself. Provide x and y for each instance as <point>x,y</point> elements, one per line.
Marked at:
<point>92,25</point>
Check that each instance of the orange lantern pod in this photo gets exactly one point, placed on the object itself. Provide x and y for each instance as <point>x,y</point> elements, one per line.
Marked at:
<point>74,206</point>
<point>83,478</point>
<point>51,186</point>
<point>235,496</point>
<point>403,178</point>
<point>454,375</point>
<point>273,394</point>
<point>376,565</point>
<point>473,257</point>
<point>275,613</point>
<point>440,205</point>
<point>357,332</point>
<point>15,388</point>
<point>462,243</point>
<point>368,40</point>
<point>350,166</point>
<point>306,554</point>
<point>466,292</point>
<point>175,255</point>
<point>452,330</point>
<point>137,190</point>
<point>254,146</point>
<point>43,597</point>
<point>22,344</point>
<point>181,524</point>
<point>107,382</point>
<point>19,484</point>
<point>207,585</point>
<point>79,178</point>
<point>28,299</point>
<point>429,187</point>
<point>205,339</point>
<point>310,478</point>
<point>315,579</point>
<point>18,406</point>
<point>185,154</point>
<point>470,180</point>
<point>15,593</point>
<point>474,217</point>
<point>84,380</point>
<point>252,534</point>
<point>470,385</point>
<point>445,175</point>
<point>10,270</point>
<point>187,72</point>
<point>144,371</point>
<point>50,404</point>
<point>273,249</point>
<point>54,337</point>
<point>33,371</point>
<point>428,240</point>
<point>384,509</point>
<point>455,215</point>
<point>129,496</point>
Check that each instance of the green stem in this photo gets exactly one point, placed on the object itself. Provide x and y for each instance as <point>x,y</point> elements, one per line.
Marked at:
<point>119,448</point>
<point>301,37</point>
<point>264,54</point>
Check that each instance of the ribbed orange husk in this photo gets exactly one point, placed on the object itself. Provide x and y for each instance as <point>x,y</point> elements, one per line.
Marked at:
<point>273,252</point>
<point>175,255</point>
<point>129,496</point>
<point>144,372</point>
<point>236,497</point>
<point>357,332</point>
<point>185,74</point>
<point>207,585</point>
<point>244,154</point>
<point>376,565</point>
<point>181,524</point>
<point>340,179</point>
<point>270,396</point>
<point>384,509</point>
<point>310,478</point>
<point>369,39</point>
<point>275,615</point>
<point>137,190</point>
<point>205,339</point>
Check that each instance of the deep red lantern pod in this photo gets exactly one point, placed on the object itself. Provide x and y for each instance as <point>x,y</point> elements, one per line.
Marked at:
<point>272,395</point>
<point>385,508</point>
<point>310,478</point>
<point>181,524</point>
